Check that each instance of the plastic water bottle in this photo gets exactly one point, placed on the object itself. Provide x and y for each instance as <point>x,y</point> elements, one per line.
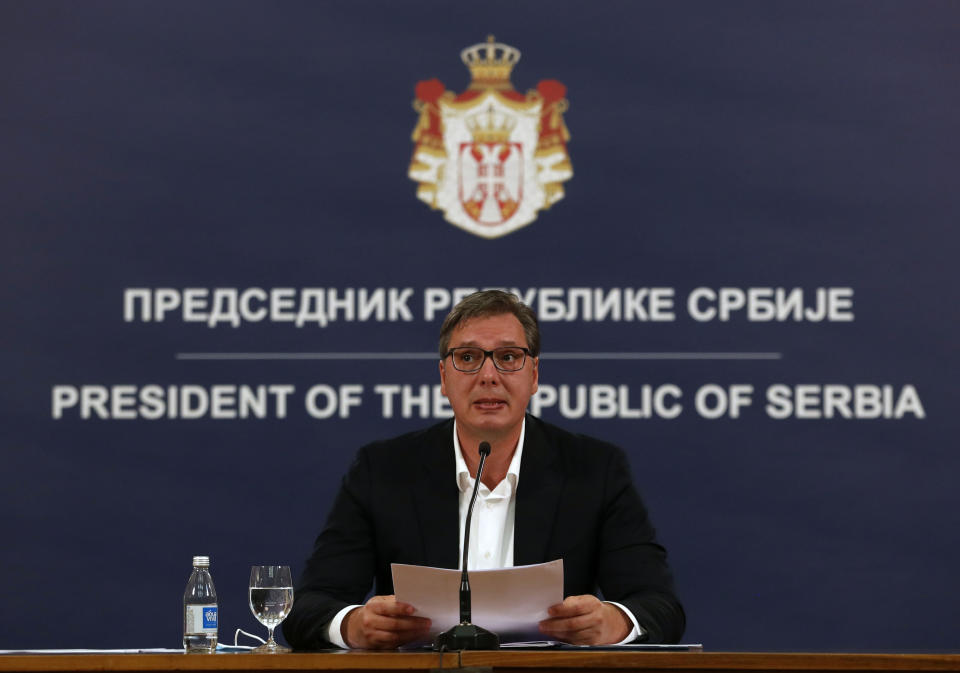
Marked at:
<point>200,609</point>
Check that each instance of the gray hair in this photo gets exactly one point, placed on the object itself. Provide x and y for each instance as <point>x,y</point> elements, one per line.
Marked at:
<point>486,303</point>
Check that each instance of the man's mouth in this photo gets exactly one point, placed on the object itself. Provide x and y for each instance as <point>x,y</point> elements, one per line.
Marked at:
<point>489,404</point>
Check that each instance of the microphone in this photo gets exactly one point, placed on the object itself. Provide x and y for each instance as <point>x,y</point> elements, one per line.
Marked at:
<point>465,635</point>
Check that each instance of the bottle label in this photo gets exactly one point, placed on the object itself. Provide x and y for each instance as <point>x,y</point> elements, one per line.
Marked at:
<point>200,619</point>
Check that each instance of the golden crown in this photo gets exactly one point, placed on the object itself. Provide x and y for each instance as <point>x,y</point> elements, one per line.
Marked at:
<point>490,127</point>
<point>490,64</point>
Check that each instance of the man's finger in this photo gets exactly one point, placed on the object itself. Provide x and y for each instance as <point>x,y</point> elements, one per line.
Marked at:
<point>393,609</point>
<point>400,633</point>
<point>390,623</point>
<point>577,636</point>
<point>388,605</point>
<point>570,624</point>
<point>574,605</point>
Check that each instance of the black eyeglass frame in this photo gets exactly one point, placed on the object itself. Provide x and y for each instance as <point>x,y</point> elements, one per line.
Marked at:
<point>488,354</point>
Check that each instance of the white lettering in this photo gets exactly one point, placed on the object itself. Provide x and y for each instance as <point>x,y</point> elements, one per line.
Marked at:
<point>836,400</point>
<point>94,399</point>
<point>131,296</point>
<point>334,401</point>
<point>329,404</point>
<point>194,401</point>
<point>607,303</point>
<point>281,304</point>
<point>350,396</point>
<point>569,411</point>
<point>63,397</point>
<point>164,299</point>
<point>246,298</point>
<point>281,392</point>
<point>633,301</point>
<point>731,299</point>
<point>419,400</point>
<point>841,304</point>
<point>660,405</point>
<point>693,304</point>
<point>397,301</point>
<point>152,403</point>
<point>225,307</point>
<point>123,401</point>
<point>661,304</point>
<point>711,401</point>
<point>789,305</point>
<point>585,298</point>
<point>760,306</point>
<point>335,303</point>
<point>386,391</point>
<point>435,300</point>
<point>372,304</point>
<point>223,401</point>
<point>311,307</point>
<point>861,401</point>
<point>194,304</point>
<point>765,304</point>
<point>551,305</point>
<point>820,312</point>
<point>909,403</point>
<point>545,397</point>
<point>603,401</point>
<point>252,401</point>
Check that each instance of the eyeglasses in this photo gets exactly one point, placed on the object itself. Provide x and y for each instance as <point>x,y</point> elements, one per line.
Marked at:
<point>468,359</point>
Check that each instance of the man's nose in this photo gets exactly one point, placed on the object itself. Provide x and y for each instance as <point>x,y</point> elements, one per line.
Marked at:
<point>488,370</point>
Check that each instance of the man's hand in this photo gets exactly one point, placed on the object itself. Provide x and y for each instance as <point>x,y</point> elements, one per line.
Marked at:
<point>383,624</point>
<point>586,620</point>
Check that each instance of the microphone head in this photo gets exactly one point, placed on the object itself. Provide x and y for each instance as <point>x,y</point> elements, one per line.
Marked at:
<point>484,448</point>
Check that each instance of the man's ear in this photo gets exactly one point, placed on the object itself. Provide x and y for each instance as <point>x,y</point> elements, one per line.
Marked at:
<point>443,379</point>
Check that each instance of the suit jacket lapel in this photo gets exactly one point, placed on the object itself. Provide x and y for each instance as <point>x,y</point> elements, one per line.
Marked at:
<point>538,494</point>
<point>437,498</point>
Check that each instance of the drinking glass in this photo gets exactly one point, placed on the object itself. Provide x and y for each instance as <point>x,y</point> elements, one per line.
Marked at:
<point>271,597</point>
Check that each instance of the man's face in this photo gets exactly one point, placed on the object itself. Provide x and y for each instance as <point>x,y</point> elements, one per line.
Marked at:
<point>489,404</point>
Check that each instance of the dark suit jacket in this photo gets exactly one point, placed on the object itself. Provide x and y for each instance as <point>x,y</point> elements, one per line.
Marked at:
<point>399,503</point>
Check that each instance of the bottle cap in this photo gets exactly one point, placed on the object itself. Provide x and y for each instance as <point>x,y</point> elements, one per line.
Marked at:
<point>201,561</point>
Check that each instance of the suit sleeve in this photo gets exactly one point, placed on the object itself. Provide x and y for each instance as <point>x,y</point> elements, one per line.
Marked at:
<point>341,568</point>
<point>632,565</point>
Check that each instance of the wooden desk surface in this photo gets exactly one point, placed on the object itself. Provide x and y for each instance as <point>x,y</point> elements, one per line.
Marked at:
<point>503,661</point>
<point>340,660</point>
<point>709,662</point>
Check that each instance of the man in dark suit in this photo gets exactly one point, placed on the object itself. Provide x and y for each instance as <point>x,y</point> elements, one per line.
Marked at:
<point>399,504</point>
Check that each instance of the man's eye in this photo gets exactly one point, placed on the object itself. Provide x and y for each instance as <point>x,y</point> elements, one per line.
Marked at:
<point>466,357</point>
<point>508,357</point>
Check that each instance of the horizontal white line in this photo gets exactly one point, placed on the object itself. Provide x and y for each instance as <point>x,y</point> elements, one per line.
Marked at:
<point>433,356</point>
<point>307,356</point>
<point>663,356</point>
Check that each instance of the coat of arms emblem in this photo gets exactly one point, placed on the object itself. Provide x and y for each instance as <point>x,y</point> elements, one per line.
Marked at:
<point>490,158</point>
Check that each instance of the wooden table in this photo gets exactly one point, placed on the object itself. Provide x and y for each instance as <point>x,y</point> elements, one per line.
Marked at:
<point>503,661</point>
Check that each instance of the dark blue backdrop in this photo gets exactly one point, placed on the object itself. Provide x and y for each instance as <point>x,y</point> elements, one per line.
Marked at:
<point>265,144</point>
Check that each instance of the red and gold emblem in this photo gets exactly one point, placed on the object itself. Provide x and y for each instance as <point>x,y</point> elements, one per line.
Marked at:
<point>490,158</point>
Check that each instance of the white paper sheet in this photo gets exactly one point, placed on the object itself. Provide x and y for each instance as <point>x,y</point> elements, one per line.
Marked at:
<point>508,601</point>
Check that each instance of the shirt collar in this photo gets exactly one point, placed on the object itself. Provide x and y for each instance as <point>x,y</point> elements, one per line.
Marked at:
<point>465,481</point>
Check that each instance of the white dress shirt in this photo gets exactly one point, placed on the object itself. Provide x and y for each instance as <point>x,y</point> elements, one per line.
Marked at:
<point>491,529</point>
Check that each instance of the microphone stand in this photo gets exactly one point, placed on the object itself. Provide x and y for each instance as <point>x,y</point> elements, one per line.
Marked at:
<point>465,635</point>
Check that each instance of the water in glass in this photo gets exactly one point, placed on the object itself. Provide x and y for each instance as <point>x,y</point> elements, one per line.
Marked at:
<point>271,597</point>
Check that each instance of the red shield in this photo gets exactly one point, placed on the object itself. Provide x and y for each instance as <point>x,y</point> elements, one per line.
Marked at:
<point>491,180</point>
